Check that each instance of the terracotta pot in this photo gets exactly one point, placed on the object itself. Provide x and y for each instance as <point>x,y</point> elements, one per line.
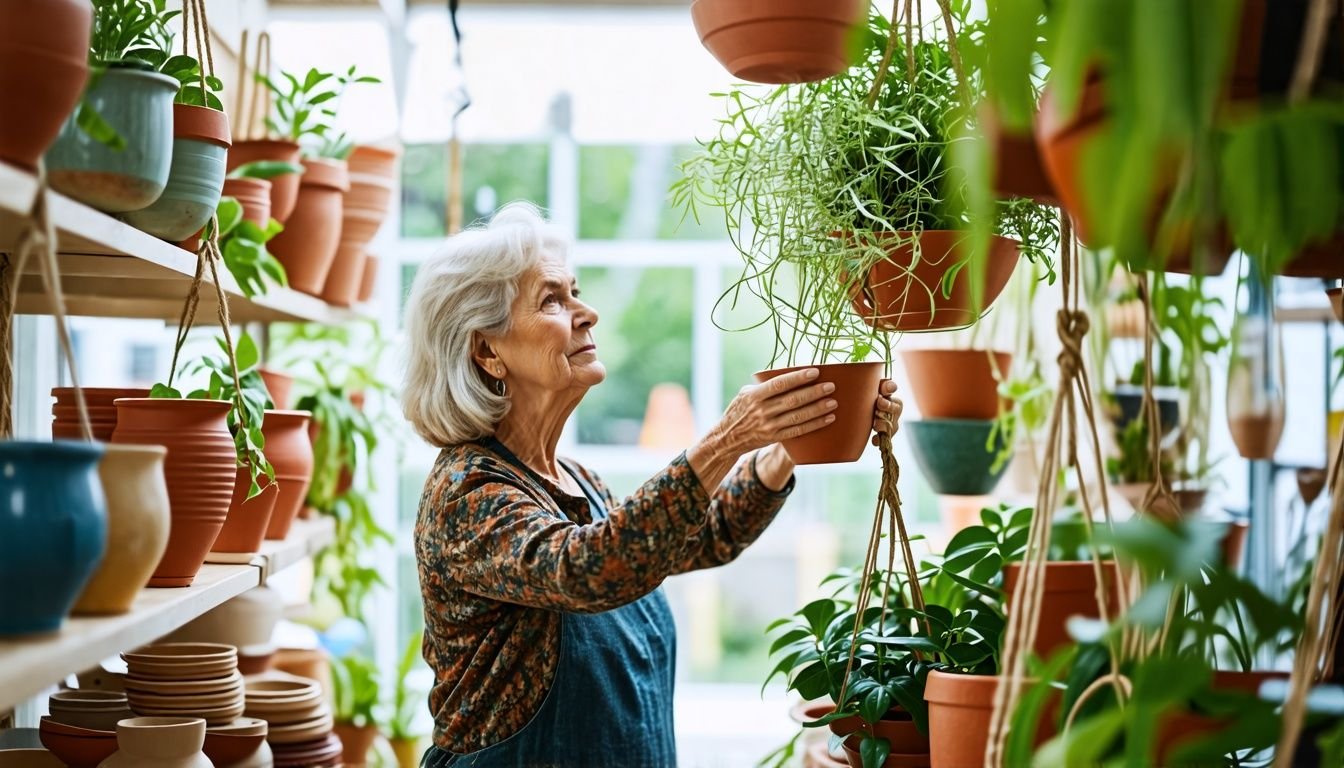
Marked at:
<point>407,752</point>
<point>1189,500</point>
<point>77,747</point>
<point>356,741</point>
<point>245,526</point>
<point>243,622</point>
<point>1324,260</point>
<point>894,759</point>
<point>201,140</point>
<point>138,517</point>
<point>1180,727</point>
<point>102,412</point>
<point>284,189</point>
<point>817,755</point>
<point>160,742</point>
<point>1234,543</point>
<point>228,749</point>
<point>785,41</point>
<point>1018,170</point>
<point>255,197</point>
<point>903,293</point>
<point>856,394</point>
<point>347,272</point>
<point>278,386</point>
<point>44,50</point>
<point>960,707</point>
<point>307,246</point>
<point>309,663</point>
<point>373,182</point>
<point>956,383</point>
<point>370,278</point>
<point>1070,590</point>
<point>201,469</point>
<point>290,452</point>
<point>908,747</point>
<point>1336,297</point>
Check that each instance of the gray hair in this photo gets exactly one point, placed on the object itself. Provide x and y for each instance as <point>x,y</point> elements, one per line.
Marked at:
<point>466,288</point>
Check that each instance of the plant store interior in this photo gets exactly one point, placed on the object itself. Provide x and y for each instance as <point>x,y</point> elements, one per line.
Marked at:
<point>1098,248</point>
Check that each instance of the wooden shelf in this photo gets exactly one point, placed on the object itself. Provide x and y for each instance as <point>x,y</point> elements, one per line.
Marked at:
<point>111,269</point>
<point>29,665</point>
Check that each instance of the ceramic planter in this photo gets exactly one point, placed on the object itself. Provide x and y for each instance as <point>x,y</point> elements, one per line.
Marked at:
<point>373,180</point>
<point>291,453</point>
<point>1070,590</point>
<point>278,386</point>
<point>201,141</point>
<point>954,455</point>
<point>307,246</point>
<point>1128,400</point>
<point>956,383</point>
<point>960,707</point>
<point>356,741</point>
<point>347,271</point>
<point>92,710</point>
<point>785,41</point>
<point>903,291</point>
<point>284,189</point>
<point>908,747</point>
<point>77,747</point>
<point>200,470</point>
<point>53,530</point>
<point>255,197</point>
<point>139,105</point>
<point>856,395</point>
<point>370,279</point>
<point>44,50</point>
<point>138,517</point>
<point>98,401</point>
<point>245,526</point>
<point>159,742</point>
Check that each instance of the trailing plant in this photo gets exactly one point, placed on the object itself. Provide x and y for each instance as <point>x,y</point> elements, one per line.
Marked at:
<point>354,688</point>
<point>406,702</point>
<point>242,245</point>
<point>305,110</point>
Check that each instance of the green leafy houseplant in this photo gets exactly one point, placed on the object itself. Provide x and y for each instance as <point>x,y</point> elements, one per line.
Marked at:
<point>355,692</point>
<point>406,702</point>
<point>242,245</point>
<point>305,109</point>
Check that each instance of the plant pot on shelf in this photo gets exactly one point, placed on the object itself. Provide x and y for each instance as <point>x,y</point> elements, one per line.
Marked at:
<point>201,139</point>
<point>278,386</point>
<point>954,455</point>
<point>77,747</point>
<point>44,51</point>
<point>369,279</point>
<point>904,291</point>
<point>284,188</point>
<point>200,470</point>
<point>244,528</point>
<point>160,742</point>
<point>307,246</point>
<point>785,41</point>
<point>856,386</point>
<point>137,527</point>
<point>1070,589</point>
<point>356,741</point>
<point>53,531</point>
<point>98,401</point>
<point>956,383</point>
<point>139,105</point>
<point>255,197</point>
<point>290,452</point>
<point>373,180</point>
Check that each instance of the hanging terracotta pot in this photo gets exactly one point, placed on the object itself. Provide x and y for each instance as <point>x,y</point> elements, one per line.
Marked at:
<point>137,526</point>
<point>908,747</point>
<point>307,246</point>
<point>245,526</point>
<point>370,278</point>
<point>856,394</point>
<point>785,41</point>
<point>957,383</point>
<point>201,468</point>
<point>290,451</point>
<point>1070,590</point>
<point>44,51</point>
<point>904,291</point>
<point>284,188</point>
<point>255,197</point>
<point>159,742</point>
<point>1323,260</point>
<point>53,531</point>
<point>960,707</point>
<point>356,741</point>
<point>954,454</point>
<point>1018,169</point>
<point>99,402</point>
<point>201,140</point>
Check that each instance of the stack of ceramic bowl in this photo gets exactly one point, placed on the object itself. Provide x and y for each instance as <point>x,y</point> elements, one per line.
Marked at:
<point>300,720</point>
<point>81,729</point>
<point>240,744</point>
<point>185,680</point>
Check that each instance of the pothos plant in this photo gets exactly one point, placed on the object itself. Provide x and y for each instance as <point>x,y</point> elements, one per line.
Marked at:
<point>305,110</point>
<point>252,400</point>
<point>242,246</point>
<point>814,180</point>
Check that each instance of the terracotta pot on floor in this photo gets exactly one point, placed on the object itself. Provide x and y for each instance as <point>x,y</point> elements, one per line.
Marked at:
<point>856,395</point>
<point>1070,590</point>
<point>44,51</point>
<point>784,41</point>
<point>307,246</point>
<point>284,189</point>
<point>245,527</point>
<point>102,412</point>
<point>200,470</point>
<point>255,197</point>
<point>356,741</point>
<point>291,454</point>
<point>956,383</point>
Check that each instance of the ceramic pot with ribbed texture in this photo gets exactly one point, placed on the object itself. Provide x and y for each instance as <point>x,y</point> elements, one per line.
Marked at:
<point>284,188</point>
<point>290,452</point>
<point>159,742</point>
<point>201,140</point>
<point>139,105</point>
<point>44,51</point>
<point>370,279</point>
<point>245,527</point>
<point>373,181</point>
<point>53,531</point>
<point>255,197</point>
<point>201,468</point>
<point>307,246</point>
<point>137,527</point>
<point>102,412</point>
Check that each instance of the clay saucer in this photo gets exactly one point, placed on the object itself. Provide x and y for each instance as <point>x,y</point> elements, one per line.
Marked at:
<point>306,730</point>
<point>186,701</point>
<point>225,684</point>
<point>77,747</point>
<point>243,726</point>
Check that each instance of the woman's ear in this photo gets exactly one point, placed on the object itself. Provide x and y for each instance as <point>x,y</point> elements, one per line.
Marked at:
<point>484,356</point>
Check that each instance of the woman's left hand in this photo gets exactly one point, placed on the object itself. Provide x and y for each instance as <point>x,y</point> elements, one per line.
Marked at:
<point>887,412</point>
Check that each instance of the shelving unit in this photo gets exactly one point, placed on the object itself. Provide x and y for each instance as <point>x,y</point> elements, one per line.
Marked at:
<point>111,269</point>
<point>28,665</point>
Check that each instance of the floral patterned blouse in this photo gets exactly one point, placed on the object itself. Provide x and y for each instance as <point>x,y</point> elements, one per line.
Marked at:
<point>498,563</point>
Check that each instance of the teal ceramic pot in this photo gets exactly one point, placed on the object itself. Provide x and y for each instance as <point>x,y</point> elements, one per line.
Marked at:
<point>139,105</point>
<point>200,152</point>
<point>53,529</point>
<point>953,456</point>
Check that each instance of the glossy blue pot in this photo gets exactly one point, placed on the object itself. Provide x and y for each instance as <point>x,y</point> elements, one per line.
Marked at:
<point>53,529</point>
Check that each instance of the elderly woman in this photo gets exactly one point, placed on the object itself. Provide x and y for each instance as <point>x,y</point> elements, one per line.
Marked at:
<point>549,637</point>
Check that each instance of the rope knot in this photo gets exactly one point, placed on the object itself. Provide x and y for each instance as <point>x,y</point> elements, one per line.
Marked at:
<point>1073,325</point>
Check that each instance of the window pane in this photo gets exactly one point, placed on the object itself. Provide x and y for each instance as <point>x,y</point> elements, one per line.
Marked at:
<point>492,174</point>
<point>623,194</point>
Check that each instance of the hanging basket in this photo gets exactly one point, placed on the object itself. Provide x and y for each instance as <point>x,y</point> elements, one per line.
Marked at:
<point>781,41</point>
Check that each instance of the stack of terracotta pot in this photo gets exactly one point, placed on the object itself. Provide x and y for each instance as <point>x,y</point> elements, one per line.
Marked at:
<point>185,680</point>
<point>307,246</point>
<point>81,729</point>
<point>300,720</point>
<point>102,411</point>
<point>373,180</point>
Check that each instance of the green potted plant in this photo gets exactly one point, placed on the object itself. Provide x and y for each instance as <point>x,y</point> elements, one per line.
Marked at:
<point>406,702</point>
<point>355,694</point>
<point>242,246</point>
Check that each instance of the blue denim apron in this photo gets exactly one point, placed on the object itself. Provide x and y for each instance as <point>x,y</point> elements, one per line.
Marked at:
<point>610,703</point>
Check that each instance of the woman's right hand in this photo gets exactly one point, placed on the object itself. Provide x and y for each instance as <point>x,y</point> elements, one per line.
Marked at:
<point>787,406</point>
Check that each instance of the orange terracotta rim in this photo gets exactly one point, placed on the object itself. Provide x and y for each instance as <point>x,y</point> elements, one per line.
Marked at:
<point>278,145</point>
<point>376,151</point>
<point>1071,576</point>
<point>203,124</point>
<point>247,186</point>
<point>974,691</point>
<point>321,172</point>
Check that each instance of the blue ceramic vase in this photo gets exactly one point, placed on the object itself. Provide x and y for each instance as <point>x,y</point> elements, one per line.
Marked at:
<point>53,529</point>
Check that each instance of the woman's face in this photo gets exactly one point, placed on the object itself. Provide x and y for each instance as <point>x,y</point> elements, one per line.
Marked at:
<point>550,346</point>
